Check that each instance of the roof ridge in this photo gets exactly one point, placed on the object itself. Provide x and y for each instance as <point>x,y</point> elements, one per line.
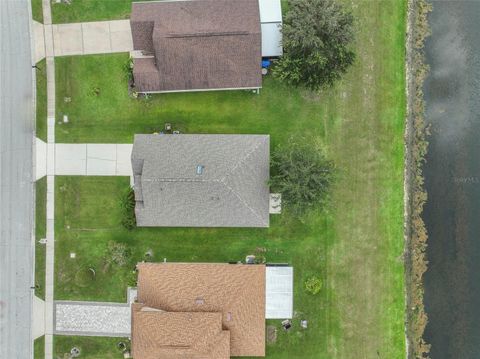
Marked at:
<point>208,340</point>
<point>242,161</point>
<point>204,34</point>
<point>173,179</point>
<point>245,203</point>
<point>237,165</point>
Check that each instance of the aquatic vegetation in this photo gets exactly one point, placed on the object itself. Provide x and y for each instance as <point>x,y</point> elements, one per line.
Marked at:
<point>416,196</point>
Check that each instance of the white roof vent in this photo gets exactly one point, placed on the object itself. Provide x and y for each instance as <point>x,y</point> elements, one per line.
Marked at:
<point>200,169</point>
<point>199,301</point>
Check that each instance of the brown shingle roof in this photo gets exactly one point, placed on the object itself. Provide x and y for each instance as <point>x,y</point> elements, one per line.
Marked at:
<point>197,44</point>
<point>235,293</point>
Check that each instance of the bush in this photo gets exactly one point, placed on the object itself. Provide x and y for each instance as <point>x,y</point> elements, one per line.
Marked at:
<point>313,285</point>
<point>128,70</point>
<point>117,253</point>
<point>128,205</point>
<point>302,174</point>
<point>131,280</point>
<point>316,39</point>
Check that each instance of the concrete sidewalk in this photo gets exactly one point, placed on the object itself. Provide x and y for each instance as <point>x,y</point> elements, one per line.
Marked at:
<point>38,322</point>
<point>39,41</point>
<point>50,235</point>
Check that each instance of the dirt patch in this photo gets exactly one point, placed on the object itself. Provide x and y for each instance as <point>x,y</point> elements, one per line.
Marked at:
<point>271,334</point>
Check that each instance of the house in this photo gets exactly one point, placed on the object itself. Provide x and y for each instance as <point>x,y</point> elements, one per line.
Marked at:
<point>196,45</point>
<point>201,310</point>
<point>201,180</point>
<point>203,45</point>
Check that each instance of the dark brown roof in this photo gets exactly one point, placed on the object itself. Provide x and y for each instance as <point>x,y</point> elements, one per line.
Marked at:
<point>197,45</point>
<point>233,293</point>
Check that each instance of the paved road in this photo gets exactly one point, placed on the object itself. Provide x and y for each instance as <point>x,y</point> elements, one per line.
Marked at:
<point>16,188</point>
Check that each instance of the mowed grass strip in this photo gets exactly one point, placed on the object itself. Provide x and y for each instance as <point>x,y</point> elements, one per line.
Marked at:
<point>37,10</point>
<point>365,261</point>
<point>41,100</point>
<point>91,10</point>
<point>40,232</point>
<point>39,348</point>
<point>355,246</point>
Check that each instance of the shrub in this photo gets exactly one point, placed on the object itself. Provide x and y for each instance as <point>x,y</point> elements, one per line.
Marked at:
<point>117,253</point>
<point>313,285</point>
<point>128,205</point>
<point>128,70</point>
<point>132,278</point>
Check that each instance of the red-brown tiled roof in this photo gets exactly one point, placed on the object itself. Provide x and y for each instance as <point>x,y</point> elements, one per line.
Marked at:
<point>159,334</point>
<point>233,294</point>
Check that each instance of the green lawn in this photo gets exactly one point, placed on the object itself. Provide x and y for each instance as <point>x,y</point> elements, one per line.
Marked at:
<point>355,246</point>
<point>90,10</point>
<point>90,348</point>
<point>113,117</point>
<point>39,348</point>
<point>41,102</point>
<point>40,232</point>
<point>37,11</point>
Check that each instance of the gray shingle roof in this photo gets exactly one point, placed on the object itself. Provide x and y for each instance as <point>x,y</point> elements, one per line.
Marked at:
<point>232,190</point>
<point>197,45</point>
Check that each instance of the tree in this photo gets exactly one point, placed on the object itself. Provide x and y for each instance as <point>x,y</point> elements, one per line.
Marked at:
<point>316,39</point>
<point>302,174</point>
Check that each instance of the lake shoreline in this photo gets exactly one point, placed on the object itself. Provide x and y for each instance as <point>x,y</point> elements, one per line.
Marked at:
<point>415,235</point>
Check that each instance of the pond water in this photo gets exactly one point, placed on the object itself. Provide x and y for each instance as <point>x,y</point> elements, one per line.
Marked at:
<point>452,174</point>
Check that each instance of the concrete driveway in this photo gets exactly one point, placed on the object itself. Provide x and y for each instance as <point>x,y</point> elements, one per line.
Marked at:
<point>92,318</point>
<point>93,159</point>
<point>98,37</point>
<point>85,38</point>
<point>83,159</point>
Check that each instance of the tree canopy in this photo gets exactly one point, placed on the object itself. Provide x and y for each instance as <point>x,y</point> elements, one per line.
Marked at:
<point>317,35</point>
<point>302,174</point>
